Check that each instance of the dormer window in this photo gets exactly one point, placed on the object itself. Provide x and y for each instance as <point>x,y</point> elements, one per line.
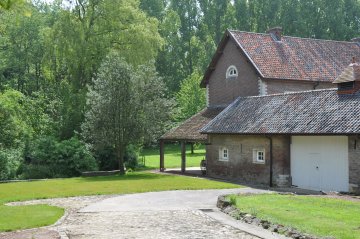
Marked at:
<point>231,72</point>
<point>346,85</point>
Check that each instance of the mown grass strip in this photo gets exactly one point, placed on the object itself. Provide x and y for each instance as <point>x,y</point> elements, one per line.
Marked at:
<point>310,214</point>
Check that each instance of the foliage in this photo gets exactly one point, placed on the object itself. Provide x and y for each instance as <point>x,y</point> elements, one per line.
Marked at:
<point>324,217</point>
<point>131,157</point>
<point>106,158</point>
<point>191,98</point>
<point>21,117</point>
<point>10,160</point>
<point>14,128</point>
<point>125,106</point>
<point>49,158</point>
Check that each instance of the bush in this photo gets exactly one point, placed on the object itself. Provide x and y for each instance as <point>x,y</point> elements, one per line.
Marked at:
<point>10,160</point>
<point>131,157</point>
<point>106,159</point>
<point>49,158</point>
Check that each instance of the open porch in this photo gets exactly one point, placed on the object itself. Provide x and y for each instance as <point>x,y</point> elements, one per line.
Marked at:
<point>188,132</point>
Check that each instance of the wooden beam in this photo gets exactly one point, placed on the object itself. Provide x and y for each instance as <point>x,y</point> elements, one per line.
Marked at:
<point>183,156</point>
<point>162,168</point>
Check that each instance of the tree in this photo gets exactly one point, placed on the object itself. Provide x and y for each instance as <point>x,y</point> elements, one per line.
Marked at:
<point>80,39</point>
<point>124,105</point>
<point>190,98</point>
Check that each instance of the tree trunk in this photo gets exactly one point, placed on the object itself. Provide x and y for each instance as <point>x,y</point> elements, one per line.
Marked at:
<point>120,152</point>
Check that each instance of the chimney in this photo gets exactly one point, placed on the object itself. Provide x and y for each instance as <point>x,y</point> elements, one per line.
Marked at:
<point>348,81</point>
<point>275,33</point>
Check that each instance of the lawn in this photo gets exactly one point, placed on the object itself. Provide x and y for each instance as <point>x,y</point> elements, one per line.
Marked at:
<point>314,215</point>
<point>173,156</point>
<point>21,217</point>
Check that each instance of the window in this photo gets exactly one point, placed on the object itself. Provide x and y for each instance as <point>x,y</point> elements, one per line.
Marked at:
<point>223,154</point>
<point>259,156</point>
<point>231,72</point>
<point>346,85</point>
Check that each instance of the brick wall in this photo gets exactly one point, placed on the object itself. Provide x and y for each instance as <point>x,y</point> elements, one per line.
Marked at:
<point>354,163</point>
<point>223,91</point>
<point>240,165</point>
<point>280,86</point>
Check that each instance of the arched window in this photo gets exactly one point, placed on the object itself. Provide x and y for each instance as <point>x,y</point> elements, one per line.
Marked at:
<point>231,72</point>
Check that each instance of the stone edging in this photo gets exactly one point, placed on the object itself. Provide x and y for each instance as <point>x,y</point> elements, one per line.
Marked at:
<point>225,206</point>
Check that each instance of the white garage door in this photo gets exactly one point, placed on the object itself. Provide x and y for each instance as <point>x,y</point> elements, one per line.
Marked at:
<point>320,162</point>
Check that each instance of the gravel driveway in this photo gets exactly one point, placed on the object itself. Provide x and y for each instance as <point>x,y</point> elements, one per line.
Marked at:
<point>169,214</point>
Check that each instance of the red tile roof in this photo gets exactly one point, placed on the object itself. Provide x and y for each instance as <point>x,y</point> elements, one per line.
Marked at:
<point>291,58</point>
<point>297,58</point>
<point>189,130</point>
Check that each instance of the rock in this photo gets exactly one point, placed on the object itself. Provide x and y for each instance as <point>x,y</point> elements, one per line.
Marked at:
<point>223,202</point>
<point>256,221</point>
<point>296,236</point>
<point>274,228</point>
<point>228,210</point>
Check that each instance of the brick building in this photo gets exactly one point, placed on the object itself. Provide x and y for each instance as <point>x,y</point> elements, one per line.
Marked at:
<point>274,115</point>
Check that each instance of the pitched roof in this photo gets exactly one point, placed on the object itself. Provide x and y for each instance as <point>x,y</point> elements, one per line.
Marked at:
<point>351,73</point>
<point>307,112</point>
<point>292,58</point>
<point>189,130</point>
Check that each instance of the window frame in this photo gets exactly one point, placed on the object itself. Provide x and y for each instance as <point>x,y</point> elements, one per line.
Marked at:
<point>231,69</point>
<point>257,154</point>
<point>222,153</point>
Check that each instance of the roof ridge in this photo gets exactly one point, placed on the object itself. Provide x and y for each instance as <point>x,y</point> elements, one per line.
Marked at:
<point>304,38</point>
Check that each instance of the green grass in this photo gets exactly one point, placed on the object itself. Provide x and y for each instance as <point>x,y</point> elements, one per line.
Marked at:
<point>173,156</point>
<point>21,217</point>
<point>13,218</point>
<point>314,215</point>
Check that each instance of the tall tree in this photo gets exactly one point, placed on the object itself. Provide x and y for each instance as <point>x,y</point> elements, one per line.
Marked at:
<point>81,38</point>
<point>124,106</point>
<point>191,98</point>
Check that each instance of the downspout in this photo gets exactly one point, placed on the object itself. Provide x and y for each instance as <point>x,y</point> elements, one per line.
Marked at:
<point>271,161</point>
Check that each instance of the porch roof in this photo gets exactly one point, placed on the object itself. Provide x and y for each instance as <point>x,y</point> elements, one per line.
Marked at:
<point>189,130</point>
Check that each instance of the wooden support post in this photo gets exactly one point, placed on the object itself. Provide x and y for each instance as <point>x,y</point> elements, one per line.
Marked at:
<point>183,156</point>
<point>192,148</point>
<point>162,168</point>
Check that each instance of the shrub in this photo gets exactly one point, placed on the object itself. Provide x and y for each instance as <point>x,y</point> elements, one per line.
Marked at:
<point>50,158</point>
<point>10,160</point>
<point>131,157</point>
<point>106,159</point>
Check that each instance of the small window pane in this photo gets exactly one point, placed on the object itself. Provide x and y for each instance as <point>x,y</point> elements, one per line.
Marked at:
<point>231,72</point>
<point>225,153</point>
